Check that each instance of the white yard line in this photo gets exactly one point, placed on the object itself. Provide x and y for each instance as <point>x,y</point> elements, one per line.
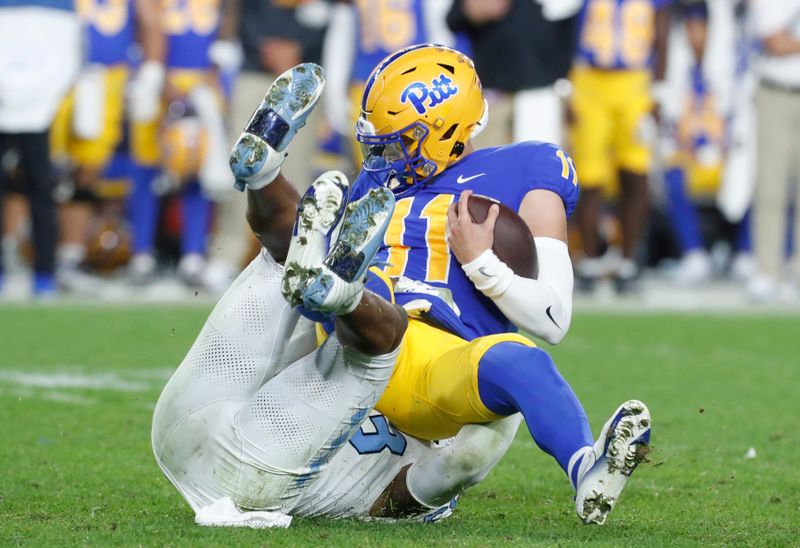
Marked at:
<point>60,385</point>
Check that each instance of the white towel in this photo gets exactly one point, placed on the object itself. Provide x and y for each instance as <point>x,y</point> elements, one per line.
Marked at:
<point>224,513</point>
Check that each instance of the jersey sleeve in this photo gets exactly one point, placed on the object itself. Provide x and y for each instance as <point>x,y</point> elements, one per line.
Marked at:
<point>550,168</point>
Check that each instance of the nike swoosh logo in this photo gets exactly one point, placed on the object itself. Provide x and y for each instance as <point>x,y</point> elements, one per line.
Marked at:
<point>551,317</point>
<point>482,271</point>
<point>461,179</point>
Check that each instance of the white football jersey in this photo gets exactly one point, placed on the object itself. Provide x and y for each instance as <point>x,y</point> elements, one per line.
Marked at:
<point>361,470</point>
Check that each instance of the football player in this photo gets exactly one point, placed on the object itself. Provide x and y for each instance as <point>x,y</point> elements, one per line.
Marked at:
<point>360,34</point>
<point>176,112</point>
<point>464,363</point>
<point>259,423</point>
<point>621,53</point>
<point>88,126</point>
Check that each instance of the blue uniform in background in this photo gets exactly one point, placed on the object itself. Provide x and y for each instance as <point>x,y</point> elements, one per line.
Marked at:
<point>382,28</point>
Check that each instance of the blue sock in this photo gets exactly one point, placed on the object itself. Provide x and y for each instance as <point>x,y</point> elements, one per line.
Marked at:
<point>195,217</point>
<point>514,378</point>
<point>744,242</point>
<point>682,212</point>
<point>143,208</point>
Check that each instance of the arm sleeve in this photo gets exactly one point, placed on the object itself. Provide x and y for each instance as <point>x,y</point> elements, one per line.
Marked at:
<point>541,307</point>
<point>337,57</point>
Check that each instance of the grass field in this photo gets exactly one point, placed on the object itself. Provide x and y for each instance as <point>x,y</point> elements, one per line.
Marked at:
<point>78,384</point>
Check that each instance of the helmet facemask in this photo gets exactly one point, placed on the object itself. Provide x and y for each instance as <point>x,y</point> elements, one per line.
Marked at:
<point>398,153</point>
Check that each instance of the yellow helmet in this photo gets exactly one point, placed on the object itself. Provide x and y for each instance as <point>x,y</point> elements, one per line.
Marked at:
<point>184,141</point>
<point>419,108</point>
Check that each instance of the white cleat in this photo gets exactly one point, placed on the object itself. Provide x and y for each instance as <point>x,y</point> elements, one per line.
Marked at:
<point>335,285</point>
<point>257,156</point>
<point>622,445</point>
<point>318,213</point>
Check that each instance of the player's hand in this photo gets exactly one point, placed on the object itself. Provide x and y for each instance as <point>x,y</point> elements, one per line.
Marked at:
<point>278,55</point>
<point>467,238</point>
<point>486,11</point>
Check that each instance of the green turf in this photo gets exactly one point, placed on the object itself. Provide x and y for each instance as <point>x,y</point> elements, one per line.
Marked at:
<point>77,467</point>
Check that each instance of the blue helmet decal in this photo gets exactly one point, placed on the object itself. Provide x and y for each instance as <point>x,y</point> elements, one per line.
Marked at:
<point>440,90</point>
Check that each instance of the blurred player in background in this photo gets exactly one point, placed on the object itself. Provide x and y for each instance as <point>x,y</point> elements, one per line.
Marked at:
<point>89,125</point>
<point>777,26</point>
<point>521,49</point>
<point>177,131</point>
<point>704,150</point>
<point>360,34</point>
<point>273,36</point>
<point>622,51</point>
<point>460,362</point>
<point>40,53</point>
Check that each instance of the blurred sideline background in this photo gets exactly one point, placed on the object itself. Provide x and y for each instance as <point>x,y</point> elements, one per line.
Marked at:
<point>115,185</point>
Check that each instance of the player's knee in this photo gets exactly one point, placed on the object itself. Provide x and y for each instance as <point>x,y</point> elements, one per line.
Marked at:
<point>476,450</point>
<point>513,356</point>
<point>507,370</point>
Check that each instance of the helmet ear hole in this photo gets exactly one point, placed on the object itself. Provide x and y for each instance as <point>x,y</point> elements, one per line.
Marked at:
<point>458,149</point>
<point>449,133</point>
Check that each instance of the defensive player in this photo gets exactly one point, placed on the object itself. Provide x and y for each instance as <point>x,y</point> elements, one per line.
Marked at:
<point>464,364</point>
<point>258,422</point>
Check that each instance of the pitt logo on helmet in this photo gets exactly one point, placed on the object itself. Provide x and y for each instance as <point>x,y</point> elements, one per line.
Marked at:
<point>439,91</point>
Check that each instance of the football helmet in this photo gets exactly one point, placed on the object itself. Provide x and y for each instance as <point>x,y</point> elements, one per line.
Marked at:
<point>184,141</point>
<point>419,108</point>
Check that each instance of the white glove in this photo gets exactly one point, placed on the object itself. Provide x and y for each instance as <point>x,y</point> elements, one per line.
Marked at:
<point>556,10</point>
<point>226,55</point>
<point>145,91</point>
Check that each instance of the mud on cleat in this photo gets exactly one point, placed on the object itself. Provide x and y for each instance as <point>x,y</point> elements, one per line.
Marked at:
<point>318,213</point>
<point>336,285</point>
<point>257,156</point>
<point>622,445</point>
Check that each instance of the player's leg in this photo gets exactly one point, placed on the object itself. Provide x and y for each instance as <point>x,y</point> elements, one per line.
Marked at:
<point>35,161</point>
<point>335,285</point>
<point>439,476</point>
<point>195,219</point>
<point>515,377</point>
<point>442,383</point>
<point>143,203</point>
<point>260,151</point>
<point>591,127</point>
<point>296,422</point>
<point>634,135</point>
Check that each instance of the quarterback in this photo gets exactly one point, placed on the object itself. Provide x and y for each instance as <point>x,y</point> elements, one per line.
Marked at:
<point>259,423</point>
<point>459,360</point>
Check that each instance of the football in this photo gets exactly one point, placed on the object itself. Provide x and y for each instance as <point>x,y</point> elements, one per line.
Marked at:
<point>513,242</point>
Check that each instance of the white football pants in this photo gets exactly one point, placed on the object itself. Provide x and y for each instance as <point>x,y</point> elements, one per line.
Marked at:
<point>254,413</point>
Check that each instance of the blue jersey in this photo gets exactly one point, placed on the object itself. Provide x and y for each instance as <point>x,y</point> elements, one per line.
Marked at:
<point>110,29</point>
<point>415,245</point>
<point>63,5</point>
<point>191,27</point>
<point>618,34</point>
<point>383,27</point>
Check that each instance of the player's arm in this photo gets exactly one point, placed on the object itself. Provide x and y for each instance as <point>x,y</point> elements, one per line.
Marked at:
<point>271,214</point>
<point>541,306</point>
<point>226,52</point>
<point>148,84</point>
<point>338,52</point>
